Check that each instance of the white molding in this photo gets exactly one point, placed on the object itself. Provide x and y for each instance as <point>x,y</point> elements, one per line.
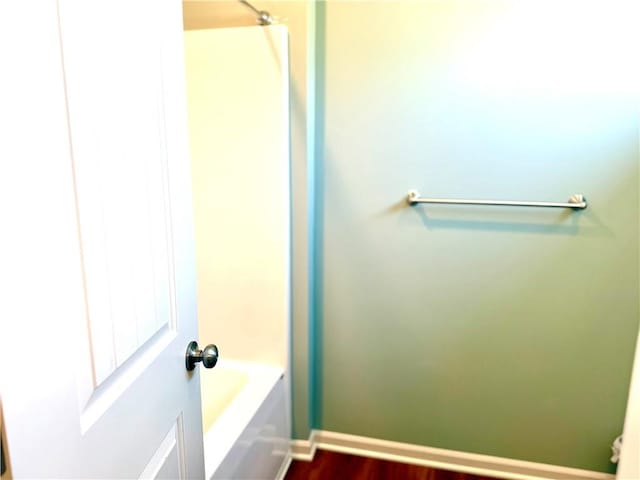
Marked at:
<point>452,460</point>
<point>304,450</point>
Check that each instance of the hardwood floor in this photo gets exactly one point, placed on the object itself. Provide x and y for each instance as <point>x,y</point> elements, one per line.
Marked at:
<point>331,465</point>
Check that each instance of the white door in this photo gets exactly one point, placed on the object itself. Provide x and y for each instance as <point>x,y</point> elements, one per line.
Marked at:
<point>98,284</point>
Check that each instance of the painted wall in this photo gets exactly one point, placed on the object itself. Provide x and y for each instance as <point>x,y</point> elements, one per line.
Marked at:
<point>500,331</point>
<point>298,16</point>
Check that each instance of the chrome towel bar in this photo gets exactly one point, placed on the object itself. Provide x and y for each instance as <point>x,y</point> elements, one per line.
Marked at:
<point>576,202</point>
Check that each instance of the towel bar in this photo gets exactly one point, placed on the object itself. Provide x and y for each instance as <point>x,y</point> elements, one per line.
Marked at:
<point>576,202</point>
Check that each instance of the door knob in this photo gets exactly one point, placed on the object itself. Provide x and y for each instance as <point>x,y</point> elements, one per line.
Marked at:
<point>208,356</point>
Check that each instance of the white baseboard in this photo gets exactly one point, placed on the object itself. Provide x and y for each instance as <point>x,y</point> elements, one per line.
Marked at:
<point>304,450</point>
<point>463,462</point>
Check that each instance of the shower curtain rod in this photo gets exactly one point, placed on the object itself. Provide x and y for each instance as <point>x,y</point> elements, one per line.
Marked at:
<point>264,17</point>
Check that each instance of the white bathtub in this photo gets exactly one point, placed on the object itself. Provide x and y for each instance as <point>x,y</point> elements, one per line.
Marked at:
<point>244,410</point>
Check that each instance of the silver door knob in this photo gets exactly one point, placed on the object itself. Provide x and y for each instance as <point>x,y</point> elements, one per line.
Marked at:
<point>208,356</point>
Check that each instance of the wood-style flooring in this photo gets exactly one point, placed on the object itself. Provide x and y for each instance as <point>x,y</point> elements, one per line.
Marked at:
<point>331,465</point>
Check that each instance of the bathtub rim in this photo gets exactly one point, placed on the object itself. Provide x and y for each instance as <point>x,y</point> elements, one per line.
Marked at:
<point>224,432</point>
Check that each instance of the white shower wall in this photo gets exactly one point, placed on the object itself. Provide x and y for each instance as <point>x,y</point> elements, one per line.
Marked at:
<point>239,137</point>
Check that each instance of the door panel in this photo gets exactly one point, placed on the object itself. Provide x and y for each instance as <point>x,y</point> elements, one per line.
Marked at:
<point>102,276</point>
<point>120,164</point>
<point>168,461</point>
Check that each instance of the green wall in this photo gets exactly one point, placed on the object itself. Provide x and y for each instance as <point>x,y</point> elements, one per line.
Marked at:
<point>507,332</point>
